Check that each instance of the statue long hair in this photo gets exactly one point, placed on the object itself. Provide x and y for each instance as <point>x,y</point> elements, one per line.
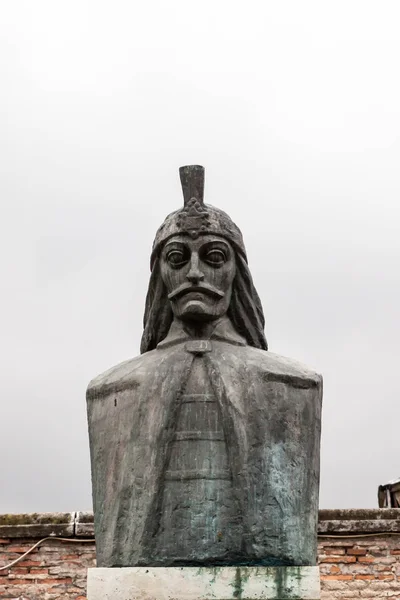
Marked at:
<point>245,310</point>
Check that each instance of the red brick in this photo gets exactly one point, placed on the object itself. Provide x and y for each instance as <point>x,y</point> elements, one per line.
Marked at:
<point>18,549</point>
<point>30,563</point>
<point>395,552</point>
<point>337,577</point>
<point>387,576</point>
<point>334,550</point>
<point>377,551</point>
<point>39,571</point>
<point>361,577</point>
<point>56,581</point>
<point>339,559</point>
<point>20,581</point>
<point>357,551</point>
<point>3,541</point>
<point>367,559</point>
<point>19,570</point>
<point>334,570</point>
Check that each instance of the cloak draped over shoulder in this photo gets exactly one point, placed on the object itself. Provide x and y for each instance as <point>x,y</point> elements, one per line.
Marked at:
<point>271,413</point>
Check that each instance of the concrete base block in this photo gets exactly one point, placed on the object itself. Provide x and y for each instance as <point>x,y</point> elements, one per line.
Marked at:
<point>204,583</point>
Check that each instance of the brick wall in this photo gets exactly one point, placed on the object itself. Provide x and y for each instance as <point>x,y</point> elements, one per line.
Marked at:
<point>359,554</point>
<point>55,570</point>
<point>360,568</point>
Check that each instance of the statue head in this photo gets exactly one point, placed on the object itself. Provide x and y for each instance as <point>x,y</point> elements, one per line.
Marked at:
<point>199,270</point>
<point>198,275</point>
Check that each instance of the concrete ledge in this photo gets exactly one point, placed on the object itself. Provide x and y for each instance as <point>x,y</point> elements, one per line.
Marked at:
<point>84,526</point>
<point>80,524</point>
<point>204,583</point>
<point>37,525</point>
<point>358,521</point>
<point>358,527</point>
<point>358,514</point>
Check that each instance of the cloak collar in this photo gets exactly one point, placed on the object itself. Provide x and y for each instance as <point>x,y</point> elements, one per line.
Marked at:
<point>223,332</point>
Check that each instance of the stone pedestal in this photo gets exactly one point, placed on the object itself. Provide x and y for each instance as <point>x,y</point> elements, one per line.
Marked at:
<point>204,583</point>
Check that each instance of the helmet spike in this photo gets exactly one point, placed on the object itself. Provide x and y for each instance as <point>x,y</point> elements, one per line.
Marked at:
<point>192,180</point>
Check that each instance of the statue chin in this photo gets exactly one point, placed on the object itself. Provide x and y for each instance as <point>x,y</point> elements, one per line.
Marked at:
<point>197,310</point>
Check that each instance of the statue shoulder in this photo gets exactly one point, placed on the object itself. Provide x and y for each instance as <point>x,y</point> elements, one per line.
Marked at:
<point>275,367</point>
<point>126,374</point>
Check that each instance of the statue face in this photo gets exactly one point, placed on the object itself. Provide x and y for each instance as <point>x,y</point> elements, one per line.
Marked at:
<point>198,275</point>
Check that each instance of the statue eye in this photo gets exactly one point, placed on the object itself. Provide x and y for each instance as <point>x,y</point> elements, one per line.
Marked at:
<point>215,257</point>
<point>176,258</point>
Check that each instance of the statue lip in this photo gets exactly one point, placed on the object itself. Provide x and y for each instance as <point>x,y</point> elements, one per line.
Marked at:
<point>186,288</point>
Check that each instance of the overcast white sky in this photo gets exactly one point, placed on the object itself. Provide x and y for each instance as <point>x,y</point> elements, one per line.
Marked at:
<point>294,110</point>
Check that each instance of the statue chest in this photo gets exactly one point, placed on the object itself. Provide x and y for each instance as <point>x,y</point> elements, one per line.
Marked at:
<point>199,516</point>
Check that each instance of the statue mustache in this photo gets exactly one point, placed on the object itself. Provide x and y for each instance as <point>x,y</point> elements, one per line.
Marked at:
<point>189,287</point>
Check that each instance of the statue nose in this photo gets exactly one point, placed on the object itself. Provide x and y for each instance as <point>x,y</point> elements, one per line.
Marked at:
<point>195,275</point>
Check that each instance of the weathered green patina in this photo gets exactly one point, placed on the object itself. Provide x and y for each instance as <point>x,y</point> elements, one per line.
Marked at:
<point>204,449</point>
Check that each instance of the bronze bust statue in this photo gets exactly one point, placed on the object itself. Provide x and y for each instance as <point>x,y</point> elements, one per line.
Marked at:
<point>204,449</point>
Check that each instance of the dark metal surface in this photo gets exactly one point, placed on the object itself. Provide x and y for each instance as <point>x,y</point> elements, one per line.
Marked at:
<point>204,449</point>
<point>192,180</point>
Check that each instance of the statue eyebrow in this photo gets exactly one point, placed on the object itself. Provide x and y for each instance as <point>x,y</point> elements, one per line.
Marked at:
<point>180,244</point>
<point>216,242</point>
<point>175,243</point>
